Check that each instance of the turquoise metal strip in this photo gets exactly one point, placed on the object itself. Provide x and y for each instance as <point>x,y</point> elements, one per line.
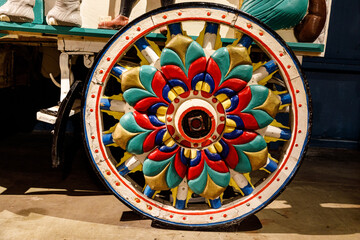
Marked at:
<point>105,33</point>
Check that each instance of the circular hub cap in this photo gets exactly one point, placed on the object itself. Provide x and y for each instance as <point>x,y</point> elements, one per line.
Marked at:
<point>195,119</point>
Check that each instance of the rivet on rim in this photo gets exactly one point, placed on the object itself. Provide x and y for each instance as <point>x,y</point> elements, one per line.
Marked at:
<point>117,183</point>
<point>127,38</point>
<point>108,172</point>
<point>164,17</point>
<point>108,58</point>
<point>223,16</point>
<point>138,28</point>
<point>249,25</point>
<point>137,200</point>
<point>208,13</point>
<point>261,33</point>
<point>179,13</point>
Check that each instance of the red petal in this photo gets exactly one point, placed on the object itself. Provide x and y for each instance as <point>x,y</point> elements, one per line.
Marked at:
<point>175,72</point>
<point>179,166</point>
<point>158,83</point>
<point>194,172</point>
<point>158,155</point>
<point>246,137</point>
<point>218,166</point>
<point>234,83</point>
<point>144,104</point>
<point>143,120</point>
<point>198,66</point>
<point>213,69</point>
<point>149,142</point>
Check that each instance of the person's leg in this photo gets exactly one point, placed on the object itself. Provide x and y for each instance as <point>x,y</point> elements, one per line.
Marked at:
<point>123,18</point>
<point>65,13</point>
<point>17,11</point>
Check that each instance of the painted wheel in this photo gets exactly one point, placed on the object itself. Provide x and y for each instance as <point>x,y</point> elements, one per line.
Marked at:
<point>196,131</point>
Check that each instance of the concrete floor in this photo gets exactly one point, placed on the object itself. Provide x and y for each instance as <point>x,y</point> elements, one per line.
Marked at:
<point>36,202</point>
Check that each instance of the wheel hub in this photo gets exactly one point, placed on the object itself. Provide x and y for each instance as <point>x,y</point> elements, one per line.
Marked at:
<point>195,119</point>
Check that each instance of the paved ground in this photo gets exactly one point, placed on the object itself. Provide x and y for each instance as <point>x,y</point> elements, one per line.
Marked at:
<point>36,202</point>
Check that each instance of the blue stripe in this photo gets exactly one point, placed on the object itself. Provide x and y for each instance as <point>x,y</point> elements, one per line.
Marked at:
<point>167,149</point>
<point>122,169</point>
<point>285,134</point>
<point>211,28</point>
<point>175,28</point>
<point>234,134</point>
<point>246,41</point>
<point>239,122</point>
<point>183,159</point>
<point>216,203</point>
<point>153,109</point>
<point>107,139</point>
<point>212,156</point>
<point>225,150</point>
<point>159,136</point>
<point>209,80</point>
<point>176,82</point>
<point>270,66</point>
<point>234,103</point>
<point>247,190</point>
<point>180,204</point>
<point>149,192</point>
<point>142,43</point>
<point>105,104</point>
<point>155,121</point>
<point>197,78</point>
<point>285,98</point>
<point>271,166</point>
<point>195,161</point>
<point>117,71</point>
<point>165,92</point>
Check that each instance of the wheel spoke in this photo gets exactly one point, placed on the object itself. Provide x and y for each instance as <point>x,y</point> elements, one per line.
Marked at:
<point>117,71</point>
<point>215,203</point>
<point>210,35</point>
<point>242,182</point>
<point>149,192</point>
<point>264,71</point>
<point>275,132</point>
<point>245,41</point>
<point>107,139</point>
<point>181,195</point>
<point>271,165</point>
<point>131,163</point>
<point>175,29</point>
<point>146,51</point>
<point>112,105</point>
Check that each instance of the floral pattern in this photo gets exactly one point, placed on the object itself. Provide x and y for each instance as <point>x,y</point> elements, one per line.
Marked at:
<point>232,111</point>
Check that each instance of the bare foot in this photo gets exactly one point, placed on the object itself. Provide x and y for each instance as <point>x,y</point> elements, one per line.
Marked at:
<point>118,22</point>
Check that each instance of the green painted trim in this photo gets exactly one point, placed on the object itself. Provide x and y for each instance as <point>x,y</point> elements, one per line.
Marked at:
<point>39,12</point>
<point>106,33</point>
<point>57,30</point>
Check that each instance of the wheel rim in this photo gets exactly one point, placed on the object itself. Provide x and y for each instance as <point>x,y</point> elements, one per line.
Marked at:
<point>194,119</point>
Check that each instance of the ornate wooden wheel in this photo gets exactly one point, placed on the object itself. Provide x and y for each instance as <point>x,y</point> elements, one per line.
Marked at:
<point>196,131</point>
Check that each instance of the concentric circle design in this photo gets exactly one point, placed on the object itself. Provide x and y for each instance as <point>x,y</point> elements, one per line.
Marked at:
<point>199,133</point>
<point>195,120</point>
